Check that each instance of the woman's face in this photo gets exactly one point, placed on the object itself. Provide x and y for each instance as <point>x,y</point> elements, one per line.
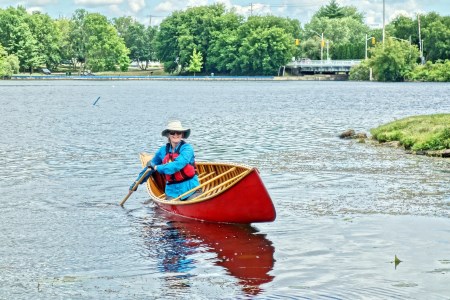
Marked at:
<point>175,136</point>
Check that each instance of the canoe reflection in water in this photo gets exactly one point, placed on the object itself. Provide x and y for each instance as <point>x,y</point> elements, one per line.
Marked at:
<point>239,249</point>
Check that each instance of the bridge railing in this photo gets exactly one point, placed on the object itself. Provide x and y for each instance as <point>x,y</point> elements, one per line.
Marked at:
<point>309,62</point>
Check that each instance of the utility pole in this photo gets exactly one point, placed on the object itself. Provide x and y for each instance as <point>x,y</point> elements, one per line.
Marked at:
<point>366,47</point>
<point>322,44</point>
<point>422,60</point>
<point>152,16</point>
<point>251,9</point>
<point>321,48</point>
<point>150,20</point>
<point>383,21</point>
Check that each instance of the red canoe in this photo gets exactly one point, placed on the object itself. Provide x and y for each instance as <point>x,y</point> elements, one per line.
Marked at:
<point>232,193</point>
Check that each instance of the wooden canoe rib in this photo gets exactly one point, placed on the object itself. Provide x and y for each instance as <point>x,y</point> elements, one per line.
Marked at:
<point>231,193</point>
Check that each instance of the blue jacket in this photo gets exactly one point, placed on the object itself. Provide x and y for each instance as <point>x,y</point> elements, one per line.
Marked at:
<point>185,157</point>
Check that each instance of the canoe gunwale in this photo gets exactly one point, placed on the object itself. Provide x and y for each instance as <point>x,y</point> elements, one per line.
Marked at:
<point>245,171</point>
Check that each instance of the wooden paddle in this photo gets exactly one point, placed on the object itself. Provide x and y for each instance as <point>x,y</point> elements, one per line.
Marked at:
<point>136,185</point>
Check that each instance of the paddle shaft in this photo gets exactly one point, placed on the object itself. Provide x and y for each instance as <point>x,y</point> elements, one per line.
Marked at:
<point>135,186</point>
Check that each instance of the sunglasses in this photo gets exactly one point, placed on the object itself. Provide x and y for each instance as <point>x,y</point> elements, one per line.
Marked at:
<point>175,132</point>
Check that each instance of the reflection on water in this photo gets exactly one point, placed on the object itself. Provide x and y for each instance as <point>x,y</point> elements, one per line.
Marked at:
<point>240,250</point>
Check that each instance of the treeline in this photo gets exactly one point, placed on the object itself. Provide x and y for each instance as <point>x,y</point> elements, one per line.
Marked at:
<point>212,39</point>
<point>400,58</point>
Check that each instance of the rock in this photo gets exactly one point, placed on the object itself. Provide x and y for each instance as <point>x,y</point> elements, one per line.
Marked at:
<point>349,133</point>
<point>393,144</point>
<point>360,135</point>
<point>439,153</point>
<point>446,153</point>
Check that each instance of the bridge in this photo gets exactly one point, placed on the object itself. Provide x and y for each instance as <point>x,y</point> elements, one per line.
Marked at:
<point>308,66</point>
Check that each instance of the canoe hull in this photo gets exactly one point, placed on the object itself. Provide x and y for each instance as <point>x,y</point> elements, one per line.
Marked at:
<point>246,202</point>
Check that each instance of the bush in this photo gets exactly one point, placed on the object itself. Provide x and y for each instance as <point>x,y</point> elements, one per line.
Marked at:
<point>439,72</point>
<point>360,72</point>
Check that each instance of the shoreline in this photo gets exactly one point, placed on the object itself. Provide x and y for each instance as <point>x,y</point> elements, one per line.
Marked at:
<point>318,77</point>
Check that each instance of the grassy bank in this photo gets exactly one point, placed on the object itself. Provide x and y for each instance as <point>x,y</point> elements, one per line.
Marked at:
<point>418,133</point>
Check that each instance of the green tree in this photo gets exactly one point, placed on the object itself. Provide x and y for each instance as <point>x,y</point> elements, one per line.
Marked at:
<point>196,62</point>
<point>266,43</point>
<point>223,51</point>
<point>402,27</point>
<point>344,33</point>
<point>138,39</point>
<point>66,51</point>
<point>393,61</point>
<point>360,71</point>
<point>437,40</point>
<point>17,38</point>
<point>9,64</point>
<point>45,31</point>
<point>331,10</point>
<point>96,43</point>
<point>439,71</point>
<point>78,38</point>
<point>183,31</point>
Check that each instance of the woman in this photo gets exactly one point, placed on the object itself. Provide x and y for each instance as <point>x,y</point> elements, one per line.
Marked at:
<point>176,161</point>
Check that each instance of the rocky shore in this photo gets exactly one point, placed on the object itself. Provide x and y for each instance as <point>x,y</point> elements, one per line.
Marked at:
<point>363,137</point>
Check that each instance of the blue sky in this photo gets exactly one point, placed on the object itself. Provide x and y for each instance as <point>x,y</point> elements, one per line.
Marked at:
<point>146,11</point>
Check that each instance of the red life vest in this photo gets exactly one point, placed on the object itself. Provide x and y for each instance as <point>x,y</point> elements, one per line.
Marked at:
<point>184,174</point>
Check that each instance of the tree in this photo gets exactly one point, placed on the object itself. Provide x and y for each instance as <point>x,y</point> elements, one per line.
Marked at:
<point>265,45</point>
<point>66,50</point>
<point>342,27</point>
<point>402,27</point>
<point>96,43</point>
<point>223,51</point>
<point>437,39</point>
<point>331,10</point>
<point>360,71</point>
<point>9,64</point>
<point>138,39</point>
<point>393,61</point>
<point>45,31</point>
<point>439,71</point>
<point>261,45</point>
<point>196,63</point>
<point>78,37</point>
<point>17,38</point>
<point>196,27</point>
<point>346,36</point>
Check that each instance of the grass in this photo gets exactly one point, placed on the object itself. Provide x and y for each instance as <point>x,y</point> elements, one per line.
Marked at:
<point>417,133</point>
<point>62,69</point>
<point>136,72</point>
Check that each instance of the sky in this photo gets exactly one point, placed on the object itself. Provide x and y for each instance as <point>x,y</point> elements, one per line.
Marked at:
<point>154,11</point>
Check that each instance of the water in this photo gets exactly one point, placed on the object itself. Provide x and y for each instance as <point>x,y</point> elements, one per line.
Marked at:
<point>344,209</point>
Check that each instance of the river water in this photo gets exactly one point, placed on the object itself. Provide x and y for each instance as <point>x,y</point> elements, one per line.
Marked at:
<point>344,209</point>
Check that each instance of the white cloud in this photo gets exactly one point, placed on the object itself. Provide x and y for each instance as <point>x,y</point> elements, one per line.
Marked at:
<point>193,3</point>
<point>97,2</point>
<point>42,2</point>
<point>116,10</point>
<point>168,6</point>
<point>136,5</point>
<point>35,8</point>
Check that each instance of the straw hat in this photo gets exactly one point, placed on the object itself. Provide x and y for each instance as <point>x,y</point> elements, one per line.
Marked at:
<point>176,126</point>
